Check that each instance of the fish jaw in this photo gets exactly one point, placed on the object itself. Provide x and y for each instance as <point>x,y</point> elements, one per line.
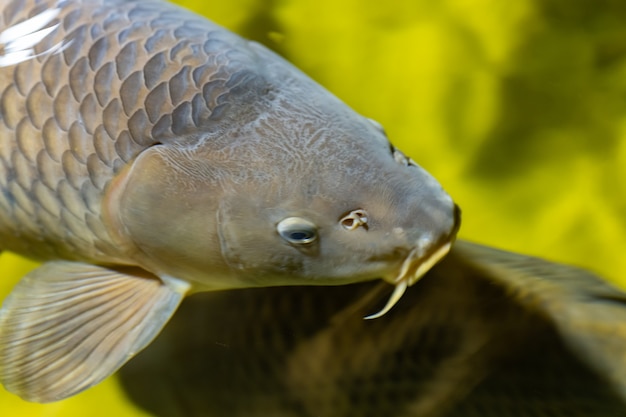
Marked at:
<point>415,266</point>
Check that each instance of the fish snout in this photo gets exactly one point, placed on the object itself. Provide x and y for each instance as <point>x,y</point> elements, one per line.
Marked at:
<point>429,249</point>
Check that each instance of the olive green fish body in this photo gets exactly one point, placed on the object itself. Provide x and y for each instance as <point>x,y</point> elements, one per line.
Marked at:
<point>146,153</point>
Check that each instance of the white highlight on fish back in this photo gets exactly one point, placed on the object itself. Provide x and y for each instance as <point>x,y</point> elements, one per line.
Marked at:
<point>17,43</point>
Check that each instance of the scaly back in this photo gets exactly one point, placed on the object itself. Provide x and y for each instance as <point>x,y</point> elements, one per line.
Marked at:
<point>85,86</point>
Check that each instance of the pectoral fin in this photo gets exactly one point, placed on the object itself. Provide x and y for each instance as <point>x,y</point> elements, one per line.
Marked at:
<point>66,326</point>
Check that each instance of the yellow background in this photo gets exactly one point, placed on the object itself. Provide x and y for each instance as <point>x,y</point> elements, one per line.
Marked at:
<point>518,107</point>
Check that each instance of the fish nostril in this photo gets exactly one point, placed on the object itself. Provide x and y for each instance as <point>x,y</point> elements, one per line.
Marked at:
<point>354,219</point>
<point>348,223</point>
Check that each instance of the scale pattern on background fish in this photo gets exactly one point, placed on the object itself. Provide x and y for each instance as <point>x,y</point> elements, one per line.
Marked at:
<point>51,190</point>
<point>486,333</point>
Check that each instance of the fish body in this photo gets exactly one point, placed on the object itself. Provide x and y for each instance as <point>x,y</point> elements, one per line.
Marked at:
<point>485,333</point>
<point>146,153</point>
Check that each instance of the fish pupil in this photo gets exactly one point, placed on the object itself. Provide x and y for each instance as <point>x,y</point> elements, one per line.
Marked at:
<point>300,235</point>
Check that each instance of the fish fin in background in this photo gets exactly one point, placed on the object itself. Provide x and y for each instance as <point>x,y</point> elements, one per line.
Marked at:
<point>588,314</point>
<point>66,326</point>
<point>483,333</point>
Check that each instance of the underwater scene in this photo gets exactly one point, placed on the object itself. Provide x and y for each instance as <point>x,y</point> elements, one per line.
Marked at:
<point>518,109</point>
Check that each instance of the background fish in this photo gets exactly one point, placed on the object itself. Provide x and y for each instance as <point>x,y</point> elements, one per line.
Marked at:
<point>484,333</point>
<point>146,153</point>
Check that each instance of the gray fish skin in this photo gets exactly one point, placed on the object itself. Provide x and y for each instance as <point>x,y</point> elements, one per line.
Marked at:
<point>231,119</point>
<point>146,153</point>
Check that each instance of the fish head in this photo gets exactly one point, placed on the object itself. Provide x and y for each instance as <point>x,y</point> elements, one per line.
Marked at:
<point>349,208</point>
<point>288,186</point>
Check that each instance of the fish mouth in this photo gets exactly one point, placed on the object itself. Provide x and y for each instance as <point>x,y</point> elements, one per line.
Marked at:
<point>416,265</point>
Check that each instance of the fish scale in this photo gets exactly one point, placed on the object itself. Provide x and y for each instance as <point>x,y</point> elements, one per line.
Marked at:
<point>111,53</point>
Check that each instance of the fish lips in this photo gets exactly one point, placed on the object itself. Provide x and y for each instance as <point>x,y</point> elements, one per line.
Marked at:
<point>417,263</point>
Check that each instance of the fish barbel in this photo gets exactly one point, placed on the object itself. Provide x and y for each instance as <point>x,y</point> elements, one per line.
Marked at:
<point>146,154</point>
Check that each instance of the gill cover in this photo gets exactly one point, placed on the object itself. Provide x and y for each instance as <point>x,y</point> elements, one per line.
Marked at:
<point>162,207</point>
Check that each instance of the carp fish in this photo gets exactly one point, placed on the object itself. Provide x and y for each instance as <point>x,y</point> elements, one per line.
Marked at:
<point>147,154</point>
<point>489,333</point>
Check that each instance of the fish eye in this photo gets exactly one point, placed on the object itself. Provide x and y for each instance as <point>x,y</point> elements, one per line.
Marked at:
<point>400,157</point>
<point>297,230</point>
<point>397,154</point>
